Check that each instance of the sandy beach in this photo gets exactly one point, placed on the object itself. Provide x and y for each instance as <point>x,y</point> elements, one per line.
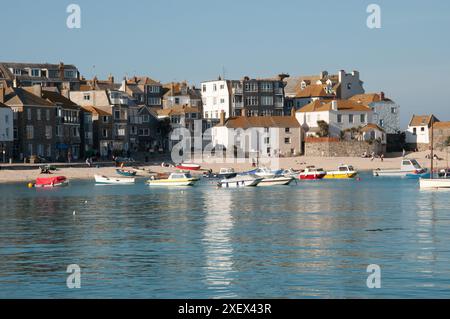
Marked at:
<point>83,172</point>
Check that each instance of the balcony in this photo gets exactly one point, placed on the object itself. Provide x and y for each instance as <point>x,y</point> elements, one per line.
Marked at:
<point>237,91</point>
<point>238,105</point>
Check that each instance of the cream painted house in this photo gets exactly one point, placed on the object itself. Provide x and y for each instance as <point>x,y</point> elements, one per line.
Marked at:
<point>338,114</point>
<point>418,131</point>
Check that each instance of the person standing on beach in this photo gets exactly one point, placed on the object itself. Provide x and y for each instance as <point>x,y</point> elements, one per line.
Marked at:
<point>382,157</point>
<point>372,156</point>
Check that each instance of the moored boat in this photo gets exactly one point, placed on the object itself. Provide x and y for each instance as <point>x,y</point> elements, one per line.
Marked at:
<point>125,172</point>
<point>290,173</point>
<point>222,174</point>
<point>174,179</point>
<point>247,180</point>
<point>435,183</point>
<point>312,173</point>
<point>274,181</point>
<point>408,166</point>
<point>101,179</point>
<point>343,172</point>
<point>188,166</point>
<point>56,181</point>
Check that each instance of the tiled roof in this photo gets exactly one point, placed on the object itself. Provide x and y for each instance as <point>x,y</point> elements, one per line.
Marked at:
<point>368,98</point>
<point>21,97</point>
<point>142,80</point>
<point>342,105</point>
<point>371,126</point>
<point>422,120</point>
<point>441,125</point>
<point>314,90</point>
<point>96,110</point>
<point>57,98</point>
<point>245,122</point>
<point>177,110</point>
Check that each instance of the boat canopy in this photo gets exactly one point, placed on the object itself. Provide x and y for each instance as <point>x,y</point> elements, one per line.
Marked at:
<point>50,180</point>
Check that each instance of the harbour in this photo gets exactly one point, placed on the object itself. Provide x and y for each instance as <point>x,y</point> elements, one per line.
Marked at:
<point>306,240</point>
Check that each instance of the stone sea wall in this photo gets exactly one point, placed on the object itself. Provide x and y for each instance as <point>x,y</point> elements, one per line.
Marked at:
<point>337,148</point>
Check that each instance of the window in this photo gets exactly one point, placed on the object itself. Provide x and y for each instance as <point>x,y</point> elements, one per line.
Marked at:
<point>266,100</point>
<point>206,115</point>
<point>75,132</point>
<point>339,118</point>
<point>287,130</point>
<point>87,97</point>
<point>69,74</point>
<point>38,114</point>
<point>154,101</point>
<point>267,140</point>
<point>381,122</point>
<point>266,86</point>
<point>6,119</point>
<point>40,150</point>
<point>350,118</point>
<point>30,132</point>
<point>47,115</point>
<point>49,151</point>
<point>59,130</point>
<point>35,72</point>
<point>145,119</point>
<point>117,115</point>
<point>29,114</point>
<point>7,132</point>
<point>363,118</point>
<point>251,86</point>
<point>222,101</point>
<point>251,100</point>
<point>48,132</point>
<point>287,140</point>
<point>177,100</point>
<point>153,89</point>
<point>393,110</point>
<point>214,87</point>
<point>414,131</point>
<point>204,88</point>
<point>105,119</point>
<point>105,133</point>
<point>222,86</point>
<point>349,86</point>
<point>422,129</point>
<point>17,72</point>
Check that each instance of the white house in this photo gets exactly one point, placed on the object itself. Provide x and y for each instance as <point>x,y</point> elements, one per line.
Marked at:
<point>418,131</point>
<point>216,98</point>
<point>6,128</point>
<point>338,114</point>
<point>386,113</point>
<point>263,135</point>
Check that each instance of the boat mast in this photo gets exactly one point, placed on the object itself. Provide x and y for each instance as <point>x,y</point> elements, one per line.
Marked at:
<point>432,148</point>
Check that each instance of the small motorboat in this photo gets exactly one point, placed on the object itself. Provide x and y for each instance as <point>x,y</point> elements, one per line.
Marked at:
<point>238,181</point>
<point>123,172</point>
<point>222,174</point>
<point>442,182</point>
<point>263,172</point>
<point>343,172</point>
<point>291,173</point>
<point>56,181</point>
<point>174,179</point>
<point>312,173</point>
<point>188,166</point>
<point>408,166</point>
<point>277,180</point>
<point>101,179</point>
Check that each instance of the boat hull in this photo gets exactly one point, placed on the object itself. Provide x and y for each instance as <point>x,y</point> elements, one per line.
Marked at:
<point>125,173</point>
<point>61,184</point>
<point>172,182</point>
<point>339,175</point>
<point>275,181</point>
<point>239,183</point>
<point>311,177</point>
<point>192,167</point>
<point>437,183</point>
<point>113,180</point>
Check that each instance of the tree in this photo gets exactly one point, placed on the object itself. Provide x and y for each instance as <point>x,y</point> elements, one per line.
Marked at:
<point>324,129</point>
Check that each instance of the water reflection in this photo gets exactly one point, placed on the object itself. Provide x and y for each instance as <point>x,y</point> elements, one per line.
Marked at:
<point>217,242</point>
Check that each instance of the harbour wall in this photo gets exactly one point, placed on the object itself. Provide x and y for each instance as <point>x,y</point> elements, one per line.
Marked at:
<point>332,147</point>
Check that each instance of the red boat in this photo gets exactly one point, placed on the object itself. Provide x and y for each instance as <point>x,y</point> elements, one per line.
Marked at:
<point>188,166</point>
<point>51,181</point>
<point>312,173</point>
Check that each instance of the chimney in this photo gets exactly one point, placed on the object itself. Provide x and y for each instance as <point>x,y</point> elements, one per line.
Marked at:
<point>382,97</point>
<point>293,111</point>
<point>15,82</point>
<point>61,70</point>
<point>2,94</point>
<point>111,78</point>
<point>334,105</point>
<point>124,84</point>
<point>37,90</point>
<point>222,118</point>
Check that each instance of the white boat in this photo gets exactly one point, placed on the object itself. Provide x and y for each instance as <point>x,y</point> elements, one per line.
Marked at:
<point>240,181</point>
<point>277,180</point>
<point>291,173</point>
<point>174,179</point>
<point>435,183</point>
<point>101,179</point>
<point>408,166</point>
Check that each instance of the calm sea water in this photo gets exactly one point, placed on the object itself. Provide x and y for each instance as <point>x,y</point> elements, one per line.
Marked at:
<point>311,240</point>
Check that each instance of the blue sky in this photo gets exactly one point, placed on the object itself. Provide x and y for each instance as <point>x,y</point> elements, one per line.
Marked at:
<point>408,58</point>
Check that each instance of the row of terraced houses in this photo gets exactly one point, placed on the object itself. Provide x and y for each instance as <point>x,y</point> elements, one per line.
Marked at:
<point>51,111</point>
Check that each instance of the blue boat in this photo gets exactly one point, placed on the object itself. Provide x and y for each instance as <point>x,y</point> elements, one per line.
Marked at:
<point>125,173</point>
<point>418,175</point>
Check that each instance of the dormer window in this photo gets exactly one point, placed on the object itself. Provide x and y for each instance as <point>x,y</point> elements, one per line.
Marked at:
<point>35,72</point>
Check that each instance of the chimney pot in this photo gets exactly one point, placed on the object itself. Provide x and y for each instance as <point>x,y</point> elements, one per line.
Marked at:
<point>334,105</point>
<point>2,94</point>
<point>222,118</point>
